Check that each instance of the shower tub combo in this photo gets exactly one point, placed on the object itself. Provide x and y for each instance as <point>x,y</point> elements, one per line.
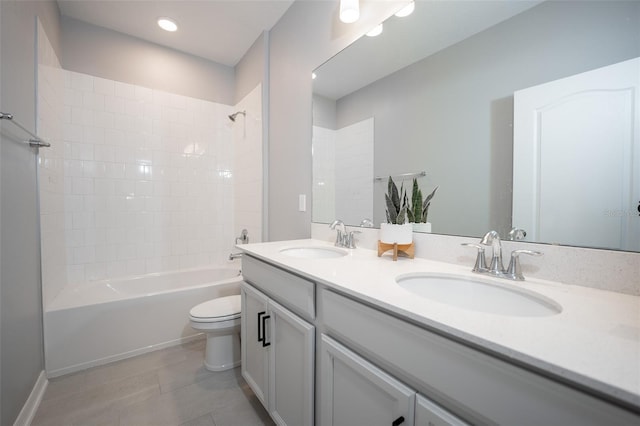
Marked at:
<point>104,321</point>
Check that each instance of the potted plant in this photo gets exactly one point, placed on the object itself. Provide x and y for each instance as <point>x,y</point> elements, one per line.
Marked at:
<point>418,209</point>
<point>396,230</point>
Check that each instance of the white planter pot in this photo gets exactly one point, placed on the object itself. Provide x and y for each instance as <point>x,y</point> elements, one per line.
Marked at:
<point>422,227</point>
<point>391,233</point>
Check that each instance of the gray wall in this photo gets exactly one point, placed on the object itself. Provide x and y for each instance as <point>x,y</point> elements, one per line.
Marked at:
<point>451,114</point>
<point>307,35</point>
<point>108,54</point>
<point>22,357</point>
<point>324,112</point>
<point>250,70</point>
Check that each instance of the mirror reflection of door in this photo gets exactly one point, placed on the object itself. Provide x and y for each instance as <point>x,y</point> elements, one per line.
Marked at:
<point>595,114</point>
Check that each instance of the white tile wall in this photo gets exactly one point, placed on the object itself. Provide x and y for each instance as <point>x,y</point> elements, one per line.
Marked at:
<point>51,116</point>
<point>154,173</point>
<point>346,156</point>
<point>324,175</point>
<point>354,169</point>
<point>141,181</point>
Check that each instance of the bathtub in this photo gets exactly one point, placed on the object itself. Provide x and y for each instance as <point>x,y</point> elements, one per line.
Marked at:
<point>104,321</point>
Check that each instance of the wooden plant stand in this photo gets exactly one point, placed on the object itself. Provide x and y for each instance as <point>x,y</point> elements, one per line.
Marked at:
<point>407,249</point>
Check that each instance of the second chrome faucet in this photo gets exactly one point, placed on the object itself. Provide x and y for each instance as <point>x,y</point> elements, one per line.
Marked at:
<point>496,268</point>
<point>343,238</point>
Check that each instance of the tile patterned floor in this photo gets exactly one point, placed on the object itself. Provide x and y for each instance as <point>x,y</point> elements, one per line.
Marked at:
<point>167,387</point>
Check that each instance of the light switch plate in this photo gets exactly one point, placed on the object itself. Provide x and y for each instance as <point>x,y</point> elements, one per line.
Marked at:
<point>302,203</point>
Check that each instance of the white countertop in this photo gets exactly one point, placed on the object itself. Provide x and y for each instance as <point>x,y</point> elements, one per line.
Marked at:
<point>594,341</point>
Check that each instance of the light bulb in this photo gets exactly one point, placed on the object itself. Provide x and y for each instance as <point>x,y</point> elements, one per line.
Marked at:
<point>167,24</point>
<point>349,11</point>
<point>376,31</point>
<point>407,10</point>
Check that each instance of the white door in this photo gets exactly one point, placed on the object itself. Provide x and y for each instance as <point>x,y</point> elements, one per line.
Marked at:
<point>254,350</point>
<point>291,367</point>
<point>354,392</point>
<point>577,159</point>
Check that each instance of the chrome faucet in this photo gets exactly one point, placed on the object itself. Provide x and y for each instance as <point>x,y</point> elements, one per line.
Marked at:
<point>366,223</point>
<point>496,268</point>
<point>492,238</point>
<point>343,238</point>
<point>517,234</point>
<point>233,256</point>
<point>341,231</point>
<point>243,238</point>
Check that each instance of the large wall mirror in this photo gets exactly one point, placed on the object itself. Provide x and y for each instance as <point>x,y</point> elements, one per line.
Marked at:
<point>523,114</point>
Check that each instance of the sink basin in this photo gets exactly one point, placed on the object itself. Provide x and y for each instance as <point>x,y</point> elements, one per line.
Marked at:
<point>313,252</point>
<point>479,295</point>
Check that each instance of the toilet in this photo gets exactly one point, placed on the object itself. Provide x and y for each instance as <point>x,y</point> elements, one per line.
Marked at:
<point>220,320</point>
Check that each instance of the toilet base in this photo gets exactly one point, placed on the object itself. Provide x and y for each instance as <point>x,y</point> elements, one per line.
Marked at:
<point>222,351</point>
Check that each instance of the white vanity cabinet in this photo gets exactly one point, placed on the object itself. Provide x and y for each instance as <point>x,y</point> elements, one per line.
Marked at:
<point>254,350</point>
<point>470,384</point>
<point>374,366</point>
<point>277,350</point>
<point>355,392</point>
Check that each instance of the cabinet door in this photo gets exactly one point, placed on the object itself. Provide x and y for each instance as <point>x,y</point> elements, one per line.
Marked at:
<point>355,392</point>
<point>430,414</point>
<point>291,367</point>
<point>254,352</point>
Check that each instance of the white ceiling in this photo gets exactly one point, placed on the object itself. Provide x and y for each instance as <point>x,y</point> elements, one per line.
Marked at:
<point>219,30</point>
<point>433,26</point>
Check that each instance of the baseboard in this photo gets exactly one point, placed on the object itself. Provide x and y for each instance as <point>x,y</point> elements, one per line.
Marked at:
<point>30,407</point>
<point>118,357</point>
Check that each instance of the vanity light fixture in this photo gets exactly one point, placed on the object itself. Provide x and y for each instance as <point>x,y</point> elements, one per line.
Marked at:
<point>349,11</point>
<point>167,24</point>
<point>407,10</point>
<point>376,31</point>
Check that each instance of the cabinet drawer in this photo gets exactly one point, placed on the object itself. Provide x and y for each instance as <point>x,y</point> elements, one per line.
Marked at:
<point>470,383</point>
<point>294,292</point>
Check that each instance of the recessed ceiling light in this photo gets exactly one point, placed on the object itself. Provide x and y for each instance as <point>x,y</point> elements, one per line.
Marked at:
<point>376,31</point>
<point>349,11</point>
<point>407,10</point>
<point>167,24</point>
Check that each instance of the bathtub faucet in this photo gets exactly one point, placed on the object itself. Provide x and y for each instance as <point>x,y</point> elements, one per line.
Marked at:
<point>233,256</point>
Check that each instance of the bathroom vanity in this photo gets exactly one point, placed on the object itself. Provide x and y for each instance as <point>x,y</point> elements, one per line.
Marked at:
<point>329,337</point>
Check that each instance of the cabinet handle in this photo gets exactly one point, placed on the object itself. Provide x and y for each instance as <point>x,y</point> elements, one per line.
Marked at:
<point>398,421</point>
<point>264,334</point>
<point>260,325</point>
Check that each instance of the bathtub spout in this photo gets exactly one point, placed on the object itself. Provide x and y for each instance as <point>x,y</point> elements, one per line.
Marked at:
<point>233,256</point>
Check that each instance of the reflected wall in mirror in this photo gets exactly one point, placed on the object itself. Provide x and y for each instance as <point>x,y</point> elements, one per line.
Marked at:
<point>439,88</point>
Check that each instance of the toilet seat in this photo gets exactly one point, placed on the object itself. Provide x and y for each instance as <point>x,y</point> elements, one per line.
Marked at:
<point>217,310</point>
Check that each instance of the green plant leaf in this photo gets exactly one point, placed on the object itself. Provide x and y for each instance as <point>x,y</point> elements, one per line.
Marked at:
<point>392,213</point>
<point>410,216</point>
<point>401,215</point>
<point>426,204</point>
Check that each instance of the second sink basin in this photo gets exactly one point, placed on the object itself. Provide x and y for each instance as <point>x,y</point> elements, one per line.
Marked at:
<point>314,252</point>
<point>479,295</point>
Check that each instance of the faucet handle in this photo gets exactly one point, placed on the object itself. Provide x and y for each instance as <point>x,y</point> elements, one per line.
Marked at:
<point>481,263</point>
<point>366,223</point>
<point>514,271</point>
<point>351,239</point>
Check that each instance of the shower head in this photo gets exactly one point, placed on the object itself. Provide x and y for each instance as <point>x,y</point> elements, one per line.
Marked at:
<point>233,116</point>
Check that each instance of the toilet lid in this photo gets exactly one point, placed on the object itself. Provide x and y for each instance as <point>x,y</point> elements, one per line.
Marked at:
<point>220,308</point>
